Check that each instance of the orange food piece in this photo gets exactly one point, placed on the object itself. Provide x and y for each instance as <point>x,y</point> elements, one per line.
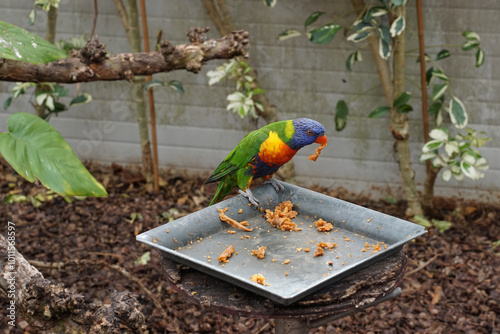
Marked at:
<point>282,217</point>
<point>226,254</point>
<point>260,253</point>
<point>319,252</point>
<point>315,156</point>
<point>258,278</point>
<point>328,245</point>
<point>323,226</point>
<point>233,222</point>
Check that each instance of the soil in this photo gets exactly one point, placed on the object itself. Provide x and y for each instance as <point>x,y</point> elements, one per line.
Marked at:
<point>452,284</point>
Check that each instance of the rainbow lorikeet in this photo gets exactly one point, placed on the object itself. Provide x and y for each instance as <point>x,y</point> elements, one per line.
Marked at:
<point>261,153</point>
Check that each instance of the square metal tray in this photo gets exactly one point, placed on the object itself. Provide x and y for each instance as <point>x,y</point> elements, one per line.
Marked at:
<point>197,240</point>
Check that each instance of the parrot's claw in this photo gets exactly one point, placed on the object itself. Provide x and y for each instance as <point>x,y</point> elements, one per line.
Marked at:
<point>276,185</point>
<point>248,194</point>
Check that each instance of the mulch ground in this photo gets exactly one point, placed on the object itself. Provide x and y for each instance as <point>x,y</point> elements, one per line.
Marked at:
<point>452,284</point>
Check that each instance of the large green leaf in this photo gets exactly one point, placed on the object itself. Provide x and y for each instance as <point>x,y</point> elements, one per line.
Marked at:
<point>36,150</point>
<point>19,44</point>
<point>325,34</point>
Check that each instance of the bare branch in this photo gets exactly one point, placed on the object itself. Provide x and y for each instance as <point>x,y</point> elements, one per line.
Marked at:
<point>92,64</point>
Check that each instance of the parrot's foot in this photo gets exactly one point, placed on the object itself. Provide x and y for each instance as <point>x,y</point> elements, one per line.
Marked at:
<point>248,194</point>
<point>276,185</point>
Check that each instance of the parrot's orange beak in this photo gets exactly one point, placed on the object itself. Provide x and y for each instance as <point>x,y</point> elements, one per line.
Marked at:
<point>321,140</point>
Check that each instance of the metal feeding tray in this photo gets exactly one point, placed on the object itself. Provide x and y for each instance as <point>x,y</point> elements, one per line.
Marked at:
<point>197,240</point>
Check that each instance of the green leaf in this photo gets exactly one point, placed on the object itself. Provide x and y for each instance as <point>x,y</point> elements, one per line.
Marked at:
<point>432,145</point>
<point>36,150</point>
<point>441,225</point>
<point>313,18</point>
<point>427,156</point>
<point>379,112</point>
<point>153,83</point>
<point>374,12</point>
<point>384,49</point>
<point>435,107</point>
<point>440,74</point>
<point>471,35</point>
<point>143,259</point>
<point>479,57</point>
<point>443,54</point>
<point>402,99</point>
<point>421,220</point>
<point>7,103</point>
<point>288,34</point>
<point>270,3</point>
<point>325,34</point>
<point>19,44</point>
<point>405,108</point>
<point>458,114</point>
<point>428,75</point>
<point>360,36</point>
<point>353,57</point>
<point>385,34</point>
<point>32,17</point>
<point>446,176</point>
<point>341,112</point>
<point>441,134</point>
<point>361,25</point>
<point>176,85</point>
<point>81,99</point>
<point>58,107</point>
<point>398,26</point>
<point>470,44</point>
<point>438,91</point>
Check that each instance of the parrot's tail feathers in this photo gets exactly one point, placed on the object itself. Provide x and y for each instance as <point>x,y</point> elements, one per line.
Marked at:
<point>220,193</point>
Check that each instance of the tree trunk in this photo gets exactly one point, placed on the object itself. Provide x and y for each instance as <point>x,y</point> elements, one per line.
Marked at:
<point>400,126</point>
<point>51,308</point>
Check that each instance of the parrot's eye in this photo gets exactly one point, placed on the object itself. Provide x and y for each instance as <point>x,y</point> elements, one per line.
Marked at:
<point>309,133</point>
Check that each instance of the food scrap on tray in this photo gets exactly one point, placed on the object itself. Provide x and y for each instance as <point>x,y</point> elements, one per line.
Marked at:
<point>226,254</point>
<point>260,253</point>
<point>282,217</point>
<point>323,226</point>
<point>233,222</point>
<point>315,156</point>
<point>258,278</point>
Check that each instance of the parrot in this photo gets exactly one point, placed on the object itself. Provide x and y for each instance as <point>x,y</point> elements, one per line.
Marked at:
<point>261,153</point>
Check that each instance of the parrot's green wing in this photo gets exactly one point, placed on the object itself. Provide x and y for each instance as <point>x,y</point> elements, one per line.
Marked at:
<point>241,155</point>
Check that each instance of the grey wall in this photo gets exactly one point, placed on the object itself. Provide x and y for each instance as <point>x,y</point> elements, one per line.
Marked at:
<point>302,80</point>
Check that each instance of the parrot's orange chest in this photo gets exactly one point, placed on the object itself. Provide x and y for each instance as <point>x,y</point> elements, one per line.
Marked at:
<point>274,152</point>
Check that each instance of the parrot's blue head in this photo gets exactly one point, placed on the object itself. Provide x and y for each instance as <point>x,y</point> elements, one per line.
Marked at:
<point>307,131</point>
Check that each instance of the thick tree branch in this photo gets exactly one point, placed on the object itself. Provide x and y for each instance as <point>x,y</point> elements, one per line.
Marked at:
<point>92,63</point>
<point>51,308</point>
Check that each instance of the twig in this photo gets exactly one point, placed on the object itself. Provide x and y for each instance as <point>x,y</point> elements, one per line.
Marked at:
<point>122,12</point>
<point>96,13</point>
<point>422,266</point>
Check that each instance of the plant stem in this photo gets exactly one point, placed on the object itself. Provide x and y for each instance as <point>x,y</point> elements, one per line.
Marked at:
<point>431,172</point>
<point>152,114</point>
<point>138,92</point>
<point>51,24</point>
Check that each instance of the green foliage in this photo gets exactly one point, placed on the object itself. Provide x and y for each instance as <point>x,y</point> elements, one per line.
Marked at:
<point>174,84</point>
<point>36,150</point>
<point>19,44</point>
<point>341,112</point>
<point>241,101</point>
<point>324,34</point>
<point>48,95</point>
<point>440,225</point>
<point>456,155</point>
